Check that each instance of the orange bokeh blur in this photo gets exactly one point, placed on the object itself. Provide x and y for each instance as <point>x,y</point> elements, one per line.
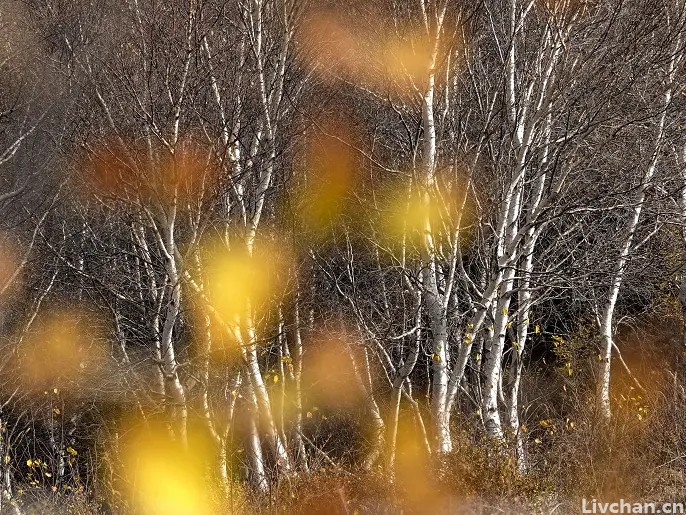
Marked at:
<point>329,177</point>
<point>63,350</point>
<point>126,171</point>
<point>397,59</point>
<point>329,377</point>
<point>413,470</point>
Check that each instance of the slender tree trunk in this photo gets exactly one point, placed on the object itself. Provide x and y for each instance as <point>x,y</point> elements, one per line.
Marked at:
<point>516,365</point>
<point>263,403</point>
<point>295,355</point>
<point>376,424</point>
<point>174,390</point>
<point>607,314</point>
<point>434,301</point>
<point>256,465</point>
<point>493,360</point>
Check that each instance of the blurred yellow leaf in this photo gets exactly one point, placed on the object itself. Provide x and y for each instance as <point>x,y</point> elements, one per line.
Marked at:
<point>329,179</point>
<point>237,280</point>
<point>164,477</point>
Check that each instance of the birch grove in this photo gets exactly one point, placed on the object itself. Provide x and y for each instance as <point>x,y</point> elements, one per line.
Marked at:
<point>372,256</point>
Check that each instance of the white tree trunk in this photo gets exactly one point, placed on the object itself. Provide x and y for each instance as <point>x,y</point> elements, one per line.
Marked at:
<point>264,407</point>
<point>607,314</point>
<point>516,365</point>
<point>434,300</point>
<point>255,465</point>
<point>295,353</point>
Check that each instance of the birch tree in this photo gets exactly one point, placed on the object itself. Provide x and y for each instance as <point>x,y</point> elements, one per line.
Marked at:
<point>606,314</point>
